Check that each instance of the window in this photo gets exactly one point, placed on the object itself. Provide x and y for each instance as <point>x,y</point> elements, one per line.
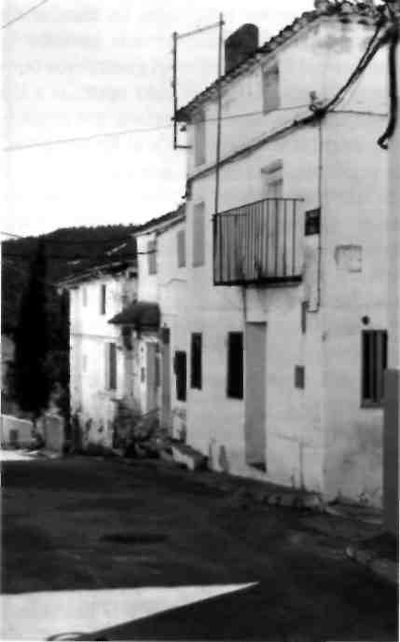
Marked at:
<point>273,179</point>
<point>84,296</point>
<point>180,373</point>
<point>195,354</point>
<point>235,365</point>
<point>103,293</point>
<point>299,377</point>
<point>374,360</point>
<point>199,127</point>
<point>111,366</point>
<point>180,243</point>
<point>198,235</point>
<point>304,310</point>
<point>270,80</point>
<point>151,257</point>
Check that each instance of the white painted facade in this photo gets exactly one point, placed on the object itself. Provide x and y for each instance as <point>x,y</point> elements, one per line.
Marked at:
<point>319,437</point>
<point>94,390</point>
<point>167,287</point>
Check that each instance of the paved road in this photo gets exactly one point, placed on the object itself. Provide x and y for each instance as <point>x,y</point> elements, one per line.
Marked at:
<point>146,552</point>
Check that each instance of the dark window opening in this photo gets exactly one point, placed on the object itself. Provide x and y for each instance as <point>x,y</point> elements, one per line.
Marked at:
<point>112,366</point>
<point>304,310</point>
<point>151,256</point>
<point>180,374</point>
<point>299,377</point>
<point>103,293</point>
<point>374,361</point>
<point>196,371</point>
<point>235,365</point>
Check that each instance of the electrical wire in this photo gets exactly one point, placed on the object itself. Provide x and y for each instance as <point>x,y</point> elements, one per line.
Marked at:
<point>372,48</point>
<point>24,14</point>
<point>124,132</point>
<point>393,100</point>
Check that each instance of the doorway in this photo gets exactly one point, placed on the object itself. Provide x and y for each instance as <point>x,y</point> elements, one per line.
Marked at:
<point>255,395</point>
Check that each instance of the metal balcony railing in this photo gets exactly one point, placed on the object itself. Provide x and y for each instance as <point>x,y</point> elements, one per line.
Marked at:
<point>260,242</point>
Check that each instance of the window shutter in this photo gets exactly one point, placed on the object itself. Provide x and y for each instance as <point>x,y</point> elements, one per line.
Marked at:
<point>180,238</point>
<point>235,365</point>
<point>198,222</point>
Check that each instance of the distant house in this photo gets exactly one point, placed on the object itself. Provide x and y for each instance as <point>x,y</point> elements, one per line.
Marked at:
<point>152,326</point>
<point>97,376</point>
<point>282,338</point>
<point>7,360</point>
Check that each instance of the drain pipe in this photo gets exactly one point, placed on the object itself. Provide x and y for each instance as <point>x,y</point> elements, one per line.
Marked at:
<point>319,249</point>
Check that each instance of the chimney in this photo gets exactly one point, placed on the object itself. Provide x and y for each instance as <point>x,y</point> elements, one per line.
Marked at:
<point>241,44</point>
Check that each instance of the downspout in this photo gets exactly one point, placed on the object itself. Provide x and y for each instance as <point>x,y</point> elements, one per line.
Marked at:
<point>320,207</point>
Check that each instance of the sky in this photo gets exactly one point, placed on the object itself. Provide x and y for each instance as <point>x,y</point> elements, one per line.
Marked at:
<point>82,68</point>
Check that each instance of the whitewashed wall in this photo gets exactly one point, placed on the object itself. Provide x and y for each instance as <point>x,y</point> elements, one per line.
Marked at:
<point>319,436</point>
<point>90,333</point>
<point>320,58</point>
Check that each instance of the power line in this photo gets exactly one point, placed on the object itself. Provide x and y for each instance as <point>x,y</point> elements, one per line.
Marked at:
<point>25,13</point>
<point>78,139</point>
<point>124,132</point>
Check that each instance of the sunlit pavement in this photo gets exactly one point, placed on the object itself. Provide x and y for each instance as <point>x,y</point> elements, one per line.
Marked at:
<point>95,550</point>
<point>16,455</point>
<point>39,616</point>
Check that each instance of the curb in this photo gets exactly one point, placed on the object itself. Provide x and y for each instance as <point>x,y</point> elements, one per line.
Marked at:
<point>379,566</point>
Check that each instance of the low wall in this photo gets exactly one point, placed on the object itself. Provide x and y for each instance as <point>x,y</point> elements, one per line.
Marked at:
<point>391,451</point>
<point>15,432</point>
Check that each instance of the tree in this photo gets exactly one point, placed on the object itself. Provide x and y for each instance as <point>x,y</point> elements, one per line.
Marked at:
<point>32,384</point>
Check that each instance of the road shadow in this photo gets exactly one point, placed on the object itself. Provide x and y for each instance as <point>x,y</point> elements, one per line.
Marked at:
<point>256,613</point>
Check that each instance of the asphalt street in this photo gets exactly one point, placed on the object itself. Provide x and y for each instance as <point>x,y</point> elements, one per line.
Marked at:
<point>95,549</point>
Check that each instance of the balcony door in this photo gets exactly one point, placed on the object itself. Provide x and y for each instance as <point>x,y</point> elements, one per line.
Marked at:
<point>255,394</point>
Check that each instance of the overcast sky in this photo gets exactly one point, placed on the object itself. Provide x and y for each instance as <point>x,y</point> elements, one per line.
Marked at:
<point>75,68</point>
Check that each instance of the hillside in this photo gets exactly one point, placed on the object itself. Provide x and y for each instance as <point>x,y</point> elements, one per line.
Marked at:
<point>68,251</point>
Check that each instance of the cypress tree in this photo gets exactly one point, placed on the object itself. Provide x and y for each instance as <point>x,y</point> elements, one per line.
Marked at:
<point>31,380</point>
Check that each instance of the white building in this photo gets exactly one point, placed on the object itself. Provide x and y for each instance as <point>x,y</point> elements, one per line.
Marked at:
<point>155,326</point>
<point>97,376</point>
<point>283,304</point>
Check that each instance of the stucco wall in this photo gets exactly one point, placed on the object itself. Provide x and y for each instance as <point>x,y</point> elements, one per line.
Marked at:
<point>319,59</point>
<point>90,333</point>
<point>355,275</point>
<point>293,427</point>
<point>319,436</point>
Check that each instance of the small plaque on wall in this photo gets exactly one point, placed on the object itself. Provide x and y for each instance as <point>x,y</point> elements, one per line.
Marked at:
<point>312,222</point>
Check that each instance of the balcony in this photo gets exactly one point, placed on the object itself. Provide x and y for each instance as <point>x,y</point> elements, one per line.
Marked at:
<point>260,242</point>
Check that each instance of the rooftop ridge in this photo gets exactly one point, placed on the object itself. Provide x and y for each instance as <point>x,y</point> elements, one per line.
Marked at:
<point>365,12</point>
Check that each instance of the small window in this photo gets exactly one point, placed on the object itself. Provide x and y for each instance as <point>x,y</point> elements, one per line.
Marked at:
<point>151,257</point>
<point>111,366</point>
<point>374,360</point>
<point>198,247</point>
<point>270,79</point>
<point>304,310</point>
<point>199,127</point>
<point>196,372</point>
<point>235,365</point>
<point>180,374</point>
<point>299,377</point>
<point>103,300</point>
<point>180,241</point>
